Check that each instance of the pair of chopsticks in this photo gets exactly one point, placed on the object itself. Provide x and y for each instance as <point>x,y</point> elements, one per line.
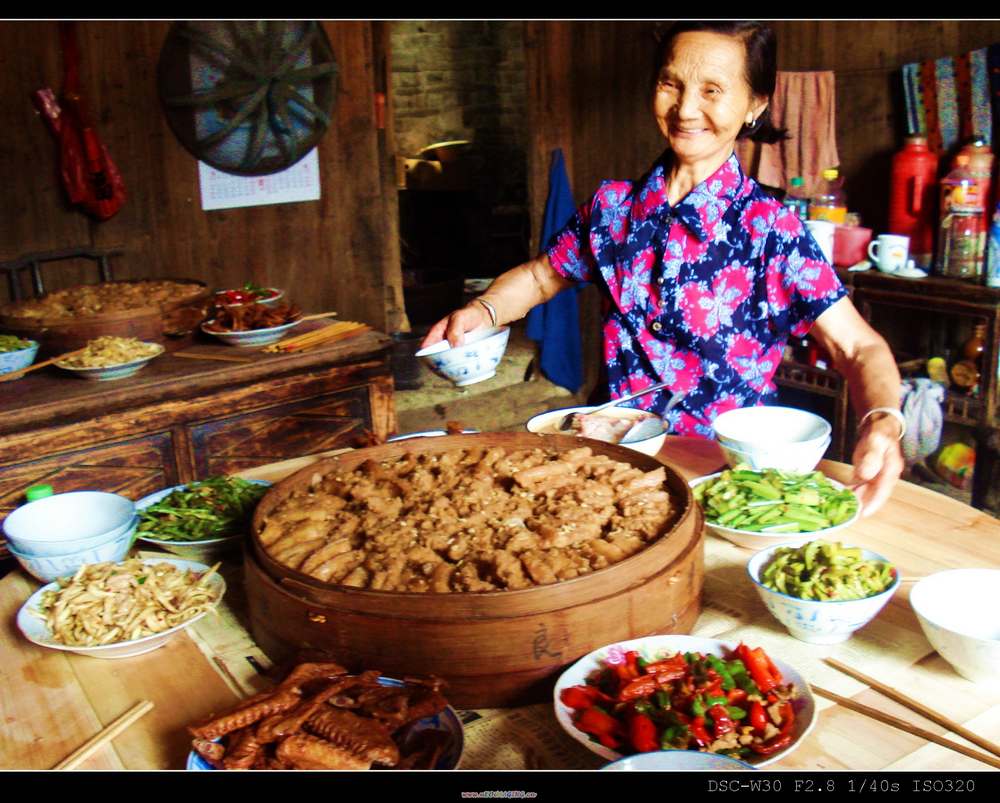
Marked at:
<point>327,334</point>
<point>917,707</point>
<point>37,365</point>
<point>91,746</point>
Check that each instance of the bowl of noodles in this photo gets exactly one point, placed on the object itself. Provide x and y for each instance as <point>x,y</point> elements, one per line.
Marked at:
<point>117,610</point>
<point>110,357</point>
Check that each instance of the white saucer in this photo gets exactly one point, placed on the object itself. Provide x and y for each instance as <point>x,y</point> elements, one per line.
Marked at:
<point>910,273</point>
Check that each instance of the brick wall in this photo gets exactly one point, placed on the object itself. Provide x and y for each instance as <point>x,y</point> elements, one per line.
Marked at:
<point>464,80</point>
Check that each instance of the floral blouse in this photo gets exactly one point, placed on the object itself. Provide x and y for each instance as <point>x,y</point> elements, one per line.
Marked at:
<point>702,295</point>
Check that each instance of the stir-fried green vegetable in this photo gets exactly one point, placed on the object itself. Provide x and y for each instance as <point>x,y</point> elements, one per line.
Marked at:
<point>824,571</point>
<point>213,508</point>
<point>12,343</point>
<point>774,501</point>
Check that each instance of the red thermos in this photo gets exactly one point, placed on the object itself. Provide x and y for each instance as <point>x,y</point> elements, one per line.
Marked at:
<point>913,196</point>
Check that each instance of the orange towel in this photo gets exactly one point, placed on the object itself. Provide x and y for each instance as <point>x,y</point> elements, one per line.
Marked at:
<point>805,104</point>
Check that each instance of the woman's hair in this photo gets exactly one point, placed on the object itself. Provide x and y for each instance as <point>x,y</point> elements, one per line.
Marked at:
<point>761,51</point>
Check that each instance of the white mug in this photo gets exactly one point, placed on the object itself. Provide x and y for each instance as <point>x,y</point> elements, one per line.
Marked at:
<point>822,232</point>
<point>889,252</point>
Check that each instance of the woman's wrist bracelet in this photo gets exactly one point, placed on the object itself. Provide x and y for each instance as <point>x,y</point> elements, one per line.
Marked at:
<point>489,309</point>
<point>888,411</point>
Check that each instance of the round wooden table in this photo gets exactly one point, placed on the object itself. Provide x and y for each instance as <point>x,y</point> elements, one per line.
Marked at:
<point>53,701</point>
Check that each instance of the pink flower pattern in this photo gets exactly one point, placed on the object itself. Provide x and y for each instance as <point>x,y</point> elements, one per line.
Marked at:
<point>702,295</point>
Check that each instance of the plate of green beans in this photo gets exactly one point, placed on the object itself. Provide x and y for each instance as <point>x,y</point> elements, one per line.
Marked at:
<point>756,508</point>
<point>203,518</point>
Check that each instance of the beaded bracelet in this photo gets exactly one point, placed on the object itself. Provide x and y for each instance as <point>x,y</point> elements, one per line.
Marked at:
<point>889,411</point>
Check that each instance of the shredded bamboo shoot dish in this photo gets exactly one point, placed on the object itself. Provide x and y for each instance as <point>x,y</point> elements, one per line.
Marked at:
<point>106,603</point>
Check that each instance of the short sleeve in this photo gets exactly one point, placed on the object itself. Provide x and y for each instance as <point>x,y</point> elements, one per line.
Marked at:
<point>801,284</point>
<point>570,254</point>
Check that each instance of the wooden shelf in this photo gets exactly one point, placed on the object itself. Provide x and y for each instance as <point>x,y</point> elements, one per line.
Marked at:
<point>809,378</point>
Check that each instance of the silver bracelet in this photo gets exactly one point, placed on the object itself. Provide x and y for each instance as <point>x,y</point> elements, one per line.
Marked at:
<point>490,309</point>
<point>889,411</point>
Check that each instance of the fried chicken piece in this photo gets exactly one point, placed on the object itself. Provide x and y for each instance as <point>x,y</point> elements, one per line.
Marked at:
<point>365,737</point>
<point>305,752</point>
<point>250,711</point>
<point>212,752</point>
<point>288,722</point>
<point>244,750</point>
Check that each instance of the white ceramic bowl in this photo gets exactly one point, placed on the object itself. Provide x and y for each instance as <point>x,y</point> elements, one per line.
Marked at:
<point>68,522</point>
<point>959,611</point>
<point>208,550</point>
<point>11,361</point>
<point>818,622</point>
<point>49,568</point>
<point>678,761</point>
<point>252,337</point>
<point>752,540</point>
<point>473,362</point>
<point>788,457</point>
<point>32,624</point>
<point>770,428</point>
<point>546,424</point>
<point>108,372</point>
<point>653,647</point>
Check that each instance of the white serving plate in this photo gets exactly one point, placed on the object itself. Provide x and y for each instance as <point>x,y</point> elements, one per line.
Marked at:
<point>652,648</point>
<point>447,721</point>
<point>209,549</point>
<point>119,371</point>
<point>756,541</point>
<point>33,626</point>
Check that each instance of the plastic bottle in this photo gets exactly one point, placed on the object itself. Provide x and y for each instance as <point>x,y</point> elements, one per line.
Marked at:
<point>829,203</point>
<point>912,196</point>
<point>795,199</point>
<point>38,492</point>
<point>992,271</point>
<point>958,243</point>
<point>960,188</point>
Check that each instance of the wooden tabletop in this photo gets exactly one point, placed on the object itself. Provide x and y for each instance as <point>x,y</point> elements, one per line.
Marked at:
<point>52,702</point>
<point>53,394</point>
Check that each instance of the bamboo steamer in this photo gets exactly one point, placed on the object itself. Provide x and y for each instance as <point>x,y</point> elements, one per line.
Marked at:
<point>152,323</point>
<point>497,648</point>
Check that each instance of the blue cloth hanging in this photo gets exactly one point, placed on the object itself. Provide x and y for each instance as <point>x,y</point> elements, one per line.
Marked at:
<point>555,325</point>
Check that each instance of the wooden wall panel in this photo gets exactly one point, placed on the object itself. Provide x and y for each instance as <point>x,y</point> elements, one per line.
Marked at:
<point>340,252</point>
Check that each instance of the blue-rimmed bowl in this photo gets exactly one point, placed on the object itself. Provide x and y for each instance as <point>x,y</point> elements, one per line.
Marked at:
<point>474,361</point>
<point>207,550</point>
<point>678,761</point>
<point>252,338</point>
<point>106,372</point>
<point>49,568</point>
<point>11,361</point>
<point>446,721</point>
<point>818,621</point>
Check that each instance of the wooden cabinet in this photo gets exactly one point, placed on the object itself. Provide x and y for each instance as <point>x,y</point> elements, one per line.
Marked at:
<point>179,419</point>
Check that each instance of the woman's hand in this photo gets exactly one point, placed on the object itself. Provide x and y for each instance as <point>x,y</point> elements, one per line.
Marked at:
<point>878,462</point>
<point>453,328</point>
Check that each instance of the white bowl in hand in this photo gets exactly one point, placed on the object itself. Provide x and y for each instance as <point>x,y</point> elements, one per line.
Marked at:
<point>474,361</point>
<point>818,621</point>
<point>800,458</point>
<point>959,611</point>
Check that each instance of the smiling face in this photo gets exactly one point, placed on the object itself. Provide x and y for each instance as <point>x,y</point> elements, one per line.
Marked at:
<point>703,99</point>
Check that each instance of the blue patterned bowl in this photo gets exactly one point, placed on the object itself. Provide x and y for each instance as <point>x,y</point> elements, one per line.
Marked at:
<point>48,569</point>
<point>11,361</point>
<point>252,338</point>
<point>814,621</point>
<point>475,361</point>
<point>104,373</point>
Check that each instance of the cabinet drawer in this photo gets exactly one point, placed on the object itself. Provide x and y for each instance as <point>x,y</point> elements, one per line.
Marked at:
<point>133,468</point>
<point>317,424</point>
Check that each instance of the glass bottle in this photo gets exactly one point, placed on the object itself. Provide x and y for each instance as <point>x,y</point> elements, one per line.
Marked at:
<point>958,243</point>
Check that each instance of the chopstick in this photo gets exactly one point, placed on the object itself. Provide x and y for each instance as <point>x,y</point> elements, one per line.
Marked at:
<point>334,331</point>
<point>37,365</point>
<point>90,747</point>
<point>222,357</point>
<point>917,706</point>
<point>316,316</point>
<point>908,727</point>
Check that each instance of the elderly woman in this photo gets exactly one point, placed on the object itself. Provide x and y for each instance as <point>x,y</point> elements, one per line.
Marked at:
<point>704,275</point>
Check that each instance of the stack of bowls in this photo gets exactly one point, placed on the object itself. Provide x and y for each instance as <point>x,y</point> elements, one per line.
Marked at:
<point>54,536</point>
<point>783,438</point>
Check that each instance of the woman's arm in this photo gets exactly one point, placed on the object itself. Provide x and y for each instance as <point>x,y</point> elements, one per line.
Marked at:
<point>863,358</point>
<point>512,295</point>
